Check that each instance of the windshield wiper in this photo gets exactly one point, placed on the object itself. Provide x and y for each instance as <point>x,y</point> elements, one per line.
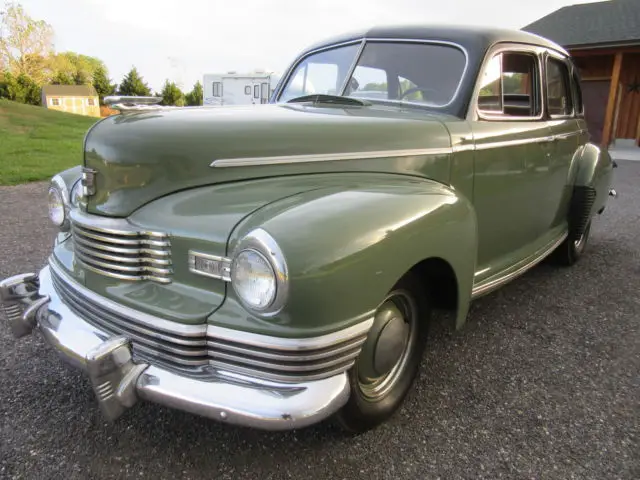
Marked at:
<point>325,98</point>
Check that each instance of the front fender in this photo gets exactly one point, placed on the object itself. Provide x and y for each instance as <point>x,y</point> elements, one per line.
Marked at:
<point>346,246</point>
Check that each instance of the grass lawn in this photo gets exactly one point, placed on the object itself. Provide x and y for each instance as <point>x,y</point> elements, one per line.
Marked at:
<point>36,143</point>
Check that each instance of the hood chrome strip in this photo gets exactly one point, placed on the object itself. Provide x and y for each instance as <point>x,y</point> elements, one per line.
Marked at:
<point>326,157</point>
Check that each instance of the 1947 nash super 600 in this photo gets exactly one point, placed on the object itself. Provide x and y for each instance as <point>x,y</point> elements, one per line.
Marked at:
<point>276,265</point>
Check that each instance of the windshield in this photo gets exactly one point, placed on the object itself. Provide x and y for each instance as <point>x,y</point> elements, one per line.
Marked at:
<point>416,73</point>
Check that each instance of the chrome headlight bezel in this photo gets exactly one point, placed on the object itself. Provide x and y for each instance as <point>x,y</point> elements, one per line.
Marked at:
<point>76,194</point>
<point>262,243</point>
<point>59,187</point>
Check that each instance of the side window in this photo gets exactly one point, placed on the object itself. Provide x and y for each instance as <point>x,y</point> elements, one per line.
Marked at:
<point>313,78</point>
<point>404,86</point>
<point>368,82</point>
<point>510,86</point>
<point>558,88</point>
<point>577,94</point>
<point>55,101</point>
<point>217,89</point>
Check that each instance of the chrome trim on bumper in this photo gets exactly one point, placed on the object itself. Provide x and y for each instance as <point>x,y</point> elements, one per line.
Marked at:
<point>119,379</point>
<point>264,357</point>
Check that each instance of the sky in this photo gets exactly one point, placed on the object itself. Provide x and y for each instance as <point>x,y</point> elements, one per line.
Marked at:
<point>181,40</point>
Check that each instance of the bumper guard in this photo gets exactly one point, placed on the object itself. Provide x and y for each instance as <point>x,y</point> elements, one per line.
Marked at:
<point>30,302</point>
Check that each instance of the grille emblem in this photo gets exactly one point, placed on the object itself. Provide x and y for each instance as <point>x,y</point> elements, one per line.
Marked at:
<point>88,182</point>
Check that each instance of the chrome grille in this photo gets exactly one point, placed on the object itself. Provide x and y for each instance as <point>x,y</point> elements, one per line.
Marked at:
<point>123,253</point>
<point>192,347</point>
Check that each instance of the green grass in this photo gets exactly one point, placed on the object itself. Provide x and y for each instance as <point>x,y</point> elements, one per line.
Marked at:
<point>36,143</point>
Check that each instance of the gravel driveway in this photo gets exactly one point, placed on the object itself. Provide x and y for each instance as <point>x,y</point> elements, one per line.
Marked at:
<point>543,382</point>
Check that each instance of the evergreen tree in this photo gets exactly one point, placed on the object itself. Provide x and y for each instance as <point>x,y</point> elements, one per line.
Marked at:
<point>171,94</point>
<point>133,84</point>
<point>102,84</point>
<point>194,97</point>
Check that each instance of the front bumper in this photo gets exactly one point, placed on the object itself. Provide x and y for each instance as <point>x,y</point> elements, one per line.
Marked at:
<point>30,301</point>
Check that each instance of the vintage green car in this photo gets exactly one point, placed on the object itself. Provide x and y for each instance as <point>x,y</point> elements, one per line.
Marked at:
<point>276,265</point>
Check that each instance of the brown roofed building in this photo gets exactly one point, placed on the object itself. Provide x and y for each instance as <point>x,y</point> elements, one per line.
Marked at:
<point>81,99</point>
<point>604,40</point>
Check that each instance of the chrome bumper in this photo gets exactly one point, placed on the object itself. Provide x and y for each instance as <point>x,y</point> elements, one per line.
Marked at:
<point>118,380</point>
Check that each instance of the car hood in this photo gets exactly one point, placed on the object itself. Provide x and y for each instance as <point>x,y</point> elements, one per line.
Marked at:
<point>139,157</point>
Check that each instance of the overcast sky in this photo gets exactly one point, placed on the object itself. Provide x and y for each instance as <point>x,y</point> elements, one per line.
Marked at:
<point>183,39</point>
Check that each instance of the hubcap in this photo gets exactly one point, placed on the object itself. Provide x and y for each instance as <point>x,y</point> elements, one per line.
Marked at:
<point>580,242</point>
<point>386,351</point>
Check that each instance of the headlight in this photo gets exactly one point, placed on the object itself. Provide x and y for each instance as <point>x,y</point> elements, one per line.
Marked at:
<point>259,273</point>
<point>253,279</point>
<point>58,200</point>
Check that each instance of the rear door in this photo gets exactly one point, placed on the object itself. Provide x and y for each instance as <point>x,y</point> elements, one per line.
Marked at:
<point>561,117</point>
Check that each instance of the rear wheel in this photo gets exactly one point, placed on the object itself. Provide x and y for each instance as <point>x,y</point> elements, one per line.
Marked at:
<point>570,251</point>
<point>385,369</point>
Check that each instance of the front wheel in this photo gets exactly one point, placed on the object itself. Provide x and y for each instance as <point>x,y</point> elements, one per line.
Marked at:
<point>385,369</point>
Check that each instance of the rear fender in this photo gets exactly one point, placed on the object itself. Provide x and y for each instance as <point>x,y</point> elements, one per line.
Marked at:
<point>347,246</point>
<point>593,175</point>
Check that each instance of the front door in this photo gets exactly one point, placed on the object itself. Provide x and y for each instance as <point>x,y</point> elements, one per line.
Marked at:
<point>256,93</point>
<point>513,143</point>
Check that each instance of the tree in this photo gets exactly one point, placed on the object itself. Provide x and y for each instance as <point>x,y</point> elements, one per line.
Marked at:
<point>171,94</point>
<point>21,88</point>
<point>102,84</point>
<point>194,97</point>
<point>133,84</point>
<point>75,66</point>
<point>25,43</point>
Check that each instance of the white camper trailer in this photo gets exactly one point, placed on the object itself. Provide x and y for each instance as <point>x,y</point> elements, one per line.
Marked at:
<point>234,88</point>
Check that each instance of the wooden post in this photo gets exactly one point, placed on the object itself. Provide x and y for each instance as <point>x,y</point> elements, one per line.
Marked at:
<point>611,101</point>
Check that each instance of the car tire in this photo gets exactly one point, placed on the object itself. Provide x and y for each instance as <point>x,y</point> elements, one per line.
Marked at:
<point>373,399</point>
<point>572,248</point>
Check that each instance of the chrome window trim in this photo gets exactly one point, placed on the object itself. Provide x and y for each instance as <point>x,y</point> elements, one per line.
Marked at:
<point>363,41</point>
<point>492,52</point>
<point>562,59</point>
<point>325,157</point>
<point>225,267</point>
<point>285,79</point>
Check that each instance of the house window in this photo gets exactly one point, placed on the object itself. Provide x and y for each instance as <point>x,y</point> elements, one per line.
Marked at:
<point>558,90</point>
<point>217,89</point>
<point>256,91</point>
<point>90,102</point>
<point>510,86</point>
<point>247,90</point>
<point>55,101</point>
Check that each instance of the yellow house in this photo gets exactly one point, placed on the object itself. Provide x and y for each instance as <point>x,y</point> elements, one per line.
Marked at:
<point>81,99</point>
